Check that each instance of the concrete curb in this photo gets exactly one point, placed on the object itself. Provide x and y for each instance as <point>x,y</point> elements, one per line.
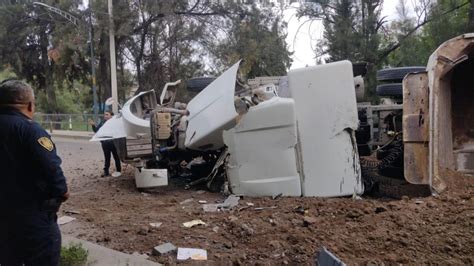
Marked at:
<point>99,255</point>
<point>79,135</point>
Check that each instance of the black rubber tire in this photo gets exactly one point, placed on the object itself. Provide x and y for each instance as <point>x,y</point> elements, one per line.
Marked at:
<point>198,84</point>
<point>397,73</point>
<point>390,89</point>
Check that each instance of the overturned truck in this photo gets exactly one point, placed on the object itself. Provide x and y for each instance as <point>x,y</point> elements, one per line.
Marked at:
<point>296,139</point>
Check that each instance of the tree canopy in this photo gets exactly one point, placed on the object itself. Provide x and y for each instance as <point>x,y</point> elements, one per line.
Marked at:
<point>156,42</point>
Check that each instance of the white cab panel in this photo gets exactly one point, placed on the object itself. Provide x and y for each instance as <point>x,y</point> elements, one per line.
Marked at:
<point>326,112</point>
<point>211,112</point>
<point>262,158</point>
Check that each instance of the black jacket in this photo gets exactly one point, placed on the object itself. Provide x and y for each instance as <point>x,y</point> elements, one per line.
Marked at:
<point>30,169</point>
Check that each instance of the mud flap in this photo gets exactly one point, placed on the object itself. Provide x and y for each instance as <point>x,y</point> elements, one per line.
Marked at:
<point>416,132</point>
<point>416,128</point>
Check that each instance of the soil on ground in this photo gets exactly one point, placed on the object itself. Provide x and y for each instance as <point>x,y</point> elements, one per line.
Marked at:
<point>286,230</point>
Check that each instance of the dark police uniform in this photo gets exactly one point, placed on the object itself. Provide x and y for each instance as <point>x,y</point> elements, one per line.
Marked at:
<point>32,186</point>
<point>108,148</point>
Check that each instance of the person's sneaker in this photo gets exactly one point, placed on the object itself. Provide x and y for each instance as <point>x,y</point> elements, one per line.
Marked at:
<point>104,174</point>
<point>116,174</point>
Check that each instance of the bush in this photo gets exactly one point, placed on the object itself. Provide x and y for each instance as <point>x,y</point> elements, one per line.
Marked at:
<point>73,255</point>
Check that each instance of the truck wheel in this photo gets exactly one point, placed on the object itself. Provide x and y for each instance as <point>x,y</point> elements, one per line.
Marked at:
<point>397,73</point>
<point>391,89</point>
<point>198,84</point>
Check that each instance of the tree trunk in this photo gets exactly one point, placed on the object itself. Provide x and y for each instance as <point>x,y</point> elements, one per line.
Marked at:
<point>103,77</point>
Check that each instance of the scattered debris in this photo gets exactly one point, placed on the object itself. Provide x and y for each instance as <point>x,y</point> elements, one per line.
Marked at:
<point>191,253</point>
<point>202,201</point>
<point>248,230</point>
<point>143,231</point>
<point>65,219</point>
<point>145,194</point>
<point>233,218</point>
<point>193,223</point>
<point>308,220</point>
<point>210,207</point>
<point>250,204</point>
<point>355,214</point>
<point>418,201</point>
<point>274,197</point>
<point>186,201</point>
<point>72,212</point>
<point>155,225</point>
<point>199,192</point>
<point>380,209</point>
<point>325,257</point>
<point>301,210</point>
<point>275,244</point>
<point>228,204</point>
<point>163,249</point>
<point>138,255</point>
<point>215,229</point>
<point>265,208</point>
<point>243,208</point>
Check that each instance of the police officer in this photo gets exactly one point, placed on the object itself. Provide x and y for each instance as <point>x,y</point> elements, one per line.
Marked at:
<point>108,146</point>
<point>32,184</point>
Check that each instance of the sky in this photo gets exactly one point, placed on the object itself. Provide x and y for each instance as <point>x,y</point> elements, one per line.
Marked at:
<point>303,35</point>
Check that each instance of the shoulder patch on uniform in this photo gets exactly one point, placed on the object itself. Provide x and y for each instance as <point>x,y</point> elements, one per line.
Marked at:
<point>46,143</point>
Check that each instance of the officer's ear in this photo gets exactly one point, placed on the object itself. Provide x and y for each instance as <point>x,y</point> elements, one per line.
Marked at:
<point>31,107</point>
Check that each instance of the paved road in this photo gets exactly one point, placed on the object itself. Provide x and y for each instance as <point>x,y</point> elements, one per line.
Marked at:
<point>80,158</point>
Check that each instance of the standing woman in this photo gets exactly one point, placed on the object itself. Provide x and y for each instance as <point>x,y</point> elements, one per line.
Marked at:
<point>108,146</point>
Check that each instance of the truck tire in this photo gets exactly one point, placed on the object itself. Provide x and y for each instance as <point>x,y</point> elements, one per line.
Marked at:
<point>198,84</point>
<point>390,89</point>
<point>397,73</point>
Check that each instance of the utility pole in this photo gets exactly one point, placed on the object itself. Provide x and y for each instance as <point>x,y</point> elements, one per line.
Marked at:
<point>94,82</point>
<point>113,64</point>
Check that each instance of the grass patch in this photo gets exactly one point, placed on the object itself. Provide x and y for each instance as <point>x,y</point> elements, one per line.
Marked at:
<point>73,255</point>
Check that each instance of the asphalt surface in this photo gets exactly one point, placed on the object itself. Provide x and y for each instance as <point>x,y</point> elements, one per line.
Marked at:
<point>80,158</point>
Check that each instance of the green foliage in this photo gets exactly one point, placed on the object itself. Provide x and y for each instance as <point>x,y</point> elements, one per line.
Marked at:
<point>7,73</point>
<point>256,37</point>
<point>73,255</point>
<point>355,30</point>
<point>416,48</point>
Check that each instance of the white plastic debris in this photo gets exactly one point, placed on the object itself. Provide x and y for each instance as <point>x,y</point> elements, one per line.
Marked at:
<point>193,223</point>
<point>186,201</point>
<point>228,204</point>
<point>65,219</point>
<point>191,253</point>
<point>155,225</point>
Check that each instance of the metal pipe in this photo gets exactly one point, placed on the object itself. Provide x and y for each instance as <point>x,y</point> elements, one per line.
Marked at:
<point>173,110</point>
<point>113,64</point>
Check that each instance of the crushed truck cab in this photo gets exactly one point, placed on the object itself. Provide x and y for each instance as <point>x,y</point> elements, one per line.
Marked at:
<point>262,144</point>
